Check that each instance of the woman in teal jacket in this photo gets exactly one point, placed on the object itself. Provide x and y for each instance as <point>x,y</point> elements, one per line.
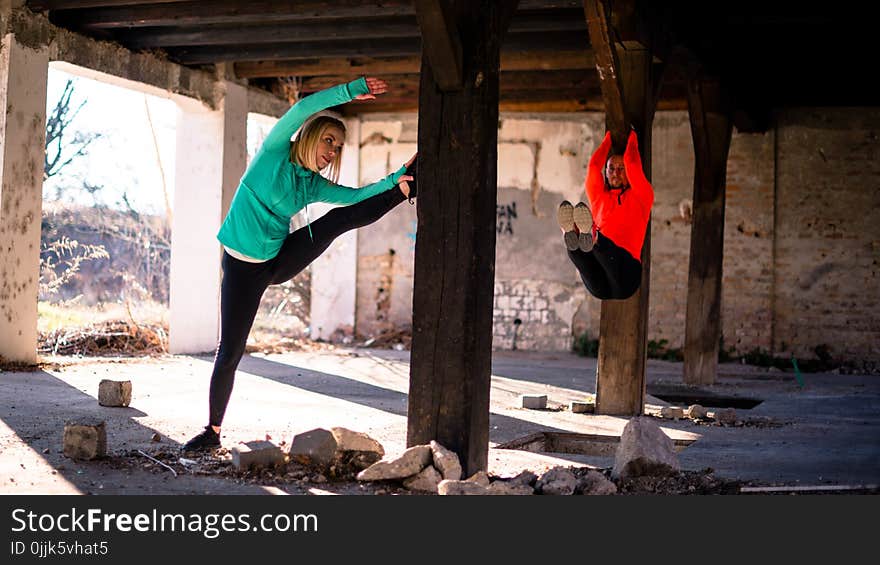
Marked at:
<point>259,250</point>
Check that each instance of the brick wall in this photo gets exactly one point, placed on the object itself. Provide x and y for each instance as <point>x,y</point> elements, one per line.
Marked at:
<point>827,290</point>
<point>803,197</point>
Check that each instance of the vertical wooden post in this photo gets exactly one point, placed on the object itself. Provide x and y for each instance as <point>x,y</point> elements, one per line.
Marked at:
<point>454,275</point>
<point>626,78</point>
<point>711,128</point>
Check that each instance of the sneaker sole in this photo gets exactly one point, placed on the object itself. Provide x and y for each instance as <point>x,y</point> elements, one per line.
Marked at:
<point>583,221</point>
<point>565,219</point>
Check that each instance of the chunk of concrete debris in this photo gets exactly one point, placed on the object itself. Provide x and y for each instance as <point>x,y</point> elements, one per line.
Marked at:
<point>723,416</point>
<point>556,481</point>
<point>696,411</point>
<point>114,393</point>
<point>533,401</point>
<point>480,478</point>
<point>446,462</point>
<point>355,451</point>
<point>339,449</point>
<point>348,440</point>
<point>509,488</point>
<point>425,480</point>
<point>409,463</point>
<point>595,483</point>
<point>460,488</point>
<point>315,448</point>
<point>525,477</point>
<point>258,453</point>
<point>85,439</point>
<point>578,407</point>
<point>672,412</point>
<point>644,450</point>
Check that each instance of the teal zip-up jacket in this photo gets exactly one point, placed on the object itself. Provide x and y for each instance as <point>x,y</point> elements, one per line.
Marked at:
<point>272,189</point>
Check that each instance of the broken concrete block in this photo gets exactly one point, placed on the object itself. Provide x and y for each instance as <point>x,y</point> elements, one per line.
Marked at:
<point>425,480</point>
<point>314,448</point>
<point>355,451</point>
<point>672,412</point>
<point>446,462</point>
<point>595,483</point>
<point>644,450</point>
<point>347,440</point>
<point>723,416</point>
<point>480,478</point>
<point>85,439</point>
<point>256,454</point>
<point>409,463</point>
<point>582,407</point>
<point>509,488</point>
<point>114,393</point>
<point>525,477</point>
<point>696,411</point>
<point>458,488</point>
<point>558,481</point>
<point>533,401</point>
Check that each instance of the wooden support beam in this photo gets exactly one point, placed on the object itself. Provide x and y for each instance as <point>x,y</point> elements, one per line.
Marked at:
<point>440,42</point>
<point>628,93</point>
<point>608,68</point>
<point>455,247</point>
<point>711,128</point>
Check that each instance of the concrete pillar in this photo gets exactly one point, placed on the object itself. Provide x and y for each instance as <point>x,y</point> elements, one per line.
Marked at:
<point>211,158</point>
<point>23,75</point>
<point>334,274</point>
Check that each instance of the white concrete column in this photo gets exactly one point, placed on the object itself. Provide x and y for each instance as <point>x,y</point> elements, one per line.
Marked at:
<point>23,76</point>
<point>211,158</point>
<point>334,274</point>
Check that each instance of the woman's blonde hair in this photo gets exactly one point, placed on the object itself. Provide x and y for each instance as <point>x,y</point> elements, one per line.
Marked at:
<point>303,148</point>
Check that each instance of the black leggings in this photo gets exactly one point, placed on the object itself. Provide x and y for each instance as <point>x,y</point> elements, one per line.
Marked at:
<point>244,284</point>
<point>609,272</point>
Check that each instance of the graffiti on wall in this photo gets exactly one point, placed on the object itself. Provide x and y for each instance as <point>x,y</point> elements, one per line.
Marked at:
<point>505,214</point>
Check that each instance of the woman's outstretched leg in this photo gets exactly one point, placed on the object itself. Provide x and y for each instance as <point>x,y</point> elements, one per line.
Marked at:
<point>301,248</point>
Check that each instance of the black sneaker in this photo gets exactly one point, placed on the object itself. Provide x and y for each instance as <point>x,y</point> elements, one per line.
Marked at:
<point>413,171</point>
<point>208,439</point>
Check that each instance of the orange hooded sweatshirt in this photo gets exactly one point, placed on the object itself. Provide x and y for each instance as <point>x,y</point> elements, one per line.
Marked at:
<point>621,215</point>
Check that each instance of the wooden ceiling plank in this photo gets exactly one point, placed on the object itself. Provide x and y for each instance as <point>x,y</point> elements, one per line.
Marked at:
<point>40,5</point>
<point>226,11</point>
<point>364,28</point>
<point>515,61</point>
<point>522,43</point>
